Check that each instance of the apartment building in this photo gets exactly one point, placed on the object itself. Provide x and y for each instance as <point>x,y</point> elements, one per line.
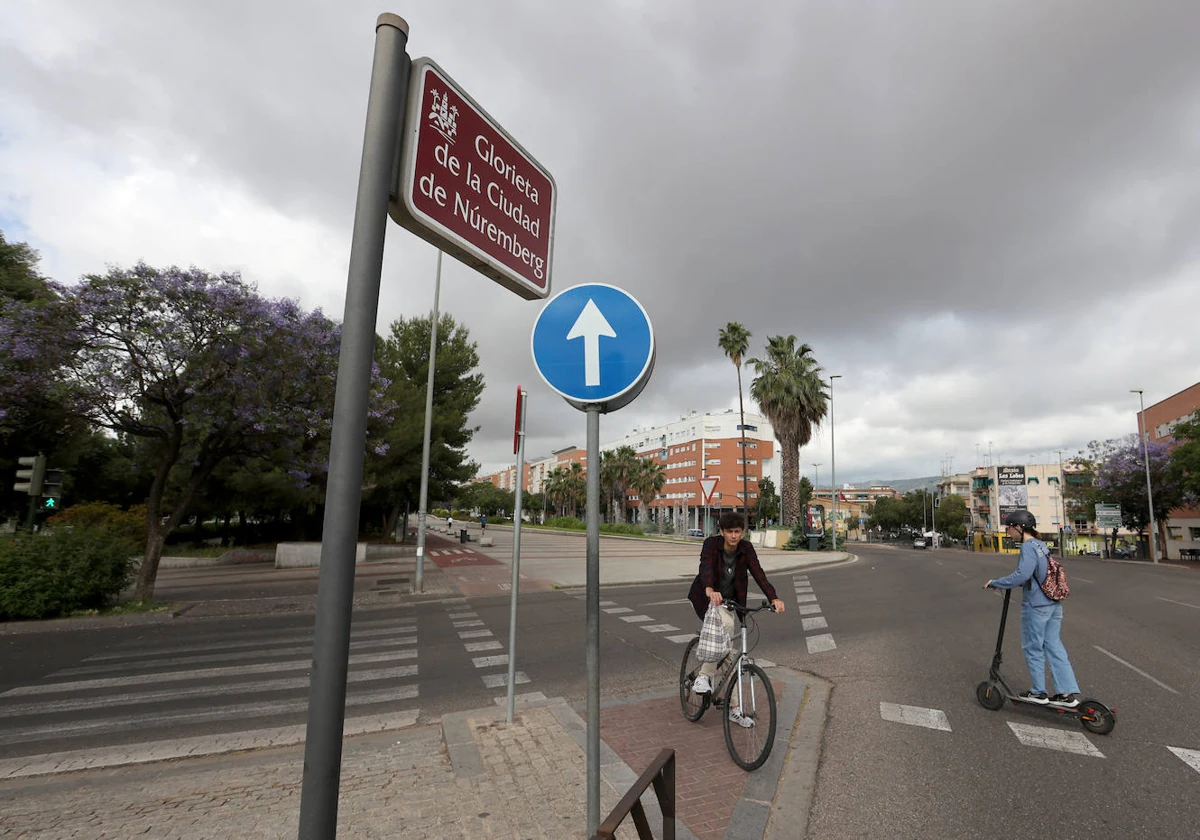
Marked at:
<point>1158,421</point>
<point>693,447</point>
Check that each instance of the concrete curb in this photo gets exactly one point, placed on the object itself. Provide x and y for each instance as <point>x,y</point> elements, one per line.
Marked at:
<point>792,802</point>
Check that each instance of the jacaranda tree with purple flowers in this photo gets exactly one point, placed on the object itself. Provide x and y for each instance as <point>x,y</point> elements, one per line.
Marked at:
<point>201,368</point>
<point>1121,479</point>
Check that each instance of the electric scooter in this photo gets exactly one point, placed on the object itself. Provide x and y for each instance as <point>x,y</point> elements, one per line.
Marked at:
<point>992,692</point>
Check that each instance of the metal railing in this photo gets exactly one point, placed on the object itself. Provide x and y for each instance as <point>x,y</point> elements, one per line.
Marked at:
<point>661,774</point>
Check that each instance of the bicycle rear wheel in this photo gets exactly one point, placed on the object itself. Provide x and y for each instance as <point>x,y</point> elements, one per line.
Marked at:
<point>749,746</point>
<point>693,704</point>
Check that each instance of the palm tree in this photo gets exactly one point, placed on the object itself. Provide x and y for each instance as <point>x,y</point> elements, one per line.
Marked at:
<point>554,488</point>
<point>734,339</point>
<point>648,481</point>
<point>789,390</point>
<point>575,488</point>
<point>617,469</point>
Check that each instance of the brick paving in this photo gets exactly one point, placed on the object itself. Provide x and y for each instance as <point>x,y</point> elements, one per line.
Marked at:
<point>708,784</point>
<point>393,785</point>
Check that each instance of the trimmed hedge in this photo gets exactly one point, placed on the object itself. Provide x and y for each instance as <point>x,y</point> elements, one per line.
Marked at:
<point>44,576</point>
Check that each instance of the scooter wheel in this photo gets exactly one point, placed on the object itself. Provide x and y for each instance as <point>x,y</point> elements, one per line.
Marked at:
<point>989,696</point>
<point>1096,717</point>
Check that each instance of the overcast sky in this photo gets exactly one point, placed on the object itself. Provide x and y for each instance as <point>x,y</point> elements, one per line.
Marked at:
<point>985,216</point>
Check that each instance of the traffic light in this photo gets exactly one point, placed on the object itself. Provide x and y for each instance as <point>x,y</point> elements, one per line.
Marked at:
<point>52,489</point>
<point>34,476</point>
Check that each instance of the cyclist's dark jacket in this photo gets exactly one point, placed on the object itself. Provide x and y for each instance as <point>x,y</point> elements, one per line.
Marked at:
<point>711,555</point>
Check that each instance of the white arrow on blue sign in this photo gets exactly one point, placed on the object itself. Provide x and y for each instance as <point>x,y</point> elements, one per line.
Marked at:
<point>594,345</point>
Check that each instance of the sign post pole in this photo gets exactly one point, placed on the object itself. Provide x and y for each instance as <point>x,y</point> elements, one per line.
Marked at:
<point>594,346</point>
<point>423,506</point>
<point>593,618</point>
<point>516,556</point>
<point>335,586</point>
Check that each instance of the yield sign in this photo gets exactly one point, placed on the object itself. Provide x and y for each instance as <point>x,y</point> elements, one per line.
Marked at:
<point>707,486</point>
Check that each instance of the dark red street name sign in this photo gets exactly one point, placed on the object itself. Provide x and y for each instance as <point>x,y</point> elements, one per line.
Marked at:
<point>469,188</point>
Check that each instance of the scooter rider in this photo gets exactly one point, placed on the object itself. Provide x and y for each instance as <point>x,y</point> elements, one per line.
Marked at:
<point>1041,617</point>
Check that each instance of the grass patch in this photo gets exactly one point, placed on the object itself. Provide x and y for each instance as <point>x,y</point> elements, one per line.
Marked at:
<point>125,608</point>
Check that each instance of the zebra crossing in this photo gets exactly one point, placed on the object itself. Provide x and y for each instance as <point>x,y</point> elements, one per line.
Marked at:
<point>1028,735</point>
<point>233,681</point>
<point>476,638</point>
<point>813,619</point>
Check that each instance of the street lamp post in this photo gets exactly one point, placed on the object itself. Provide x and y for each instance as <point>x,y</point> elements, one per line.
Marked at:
<point>833,458</point>
<point>1146,458</point>
<point>816,479</point>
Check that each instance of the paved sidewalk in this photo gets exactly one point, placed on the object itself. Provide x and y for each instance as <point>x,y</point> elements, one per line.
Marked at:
<point>472,777</point>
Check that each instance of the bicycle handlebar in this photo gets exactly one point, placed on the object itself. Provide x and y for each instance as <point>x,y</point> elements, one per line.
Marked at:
<point>736,607</point>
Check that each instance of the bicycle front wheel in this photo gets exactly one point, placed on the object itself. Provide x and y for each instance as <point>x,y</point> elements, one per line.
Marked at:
<point>750,739</point>
<point>693,704</point>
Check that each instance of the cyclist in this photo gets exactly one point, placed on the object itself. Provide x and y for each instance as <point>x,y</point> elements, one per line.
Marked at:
<point>1041,618</point>
<point>726,563</point>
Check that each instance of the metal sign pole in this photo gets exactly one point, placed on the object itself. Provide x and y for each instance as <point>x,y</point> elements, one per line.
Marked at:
<point>516,563</point>
<point>593,619</point>
<point>423,504</point>
<point>335,587</point>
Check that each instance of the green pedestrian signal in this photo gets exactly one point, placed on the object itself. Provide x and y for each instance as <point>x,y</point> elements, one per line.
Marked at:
<point>50,504</point>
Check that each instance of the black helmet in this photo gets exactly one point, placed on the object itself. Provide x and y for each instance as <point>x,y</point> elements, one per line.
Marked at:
<point>1021,519</point>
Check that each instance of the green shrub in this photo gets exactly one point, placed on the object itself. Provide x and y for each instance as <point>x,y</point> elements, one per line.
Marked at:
<point>566,523</point>
<point>43,576</point>
<point>127,524</point>
<point>623,529</point>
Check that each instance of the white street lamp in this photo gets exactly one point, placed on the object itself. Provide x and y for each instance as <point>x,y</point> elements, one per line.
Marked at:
<point>833,459</point>
<point>1146,458</point>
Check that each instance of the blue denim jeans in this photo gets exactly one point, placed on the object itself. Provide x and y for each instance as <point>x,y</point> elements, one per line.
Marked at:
<point>1040,627</point>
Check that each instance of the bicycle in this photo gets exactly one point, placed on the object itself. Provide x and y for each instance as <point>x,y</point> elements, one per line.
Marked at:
<point>748,746</point>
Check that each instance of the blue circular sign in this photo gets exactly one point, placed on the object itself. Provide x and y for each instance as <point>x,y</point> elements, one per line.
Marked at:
<point>594,345</point>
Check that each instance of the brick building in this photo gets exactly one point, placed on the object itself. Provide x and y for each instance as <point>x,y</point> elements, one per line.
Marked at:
<point>693,447</point>
<point>1183,524</point>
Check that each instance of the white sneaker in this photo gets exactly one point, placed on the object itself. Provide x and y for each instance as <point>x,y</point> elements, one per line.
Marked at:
<point>736,716</point>
<point>702,685</point>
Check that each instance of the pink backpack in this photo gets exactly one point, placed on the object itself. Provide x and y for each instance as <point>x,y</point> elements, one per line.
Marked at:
<point>1055,584</point>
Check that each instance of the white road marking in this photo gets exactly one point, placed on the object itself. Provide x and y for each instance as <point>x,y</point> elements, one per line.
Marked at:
<point>457,615</point>
<point>667,603</point>
<point>185,661</point>
<point>1180,603</point>
<point>800,579</point>
<point>659,628</point>
<point>475,623</point>
<point>198,674</point>
<point>518,699</point>
<point>1054,739</point>
<point>211,714</point>
<point>803,599</point>
<point>602,603</point>
<point>687,637</point>
<point>480,647</point>
<point>765,663</point>
<point>284,684</point>
<point>1135,669</point>
<point>915,716</point>
<point>1085,580</point>
<point>818,623</point>
<point>809,609</point>
<point>616,610</point>
<point>960,574</point>
<point>501,680</point>
<point>490,661</point>
<point>820,643</point>
<point>804,590</point>
<point>634,619</point>
<point>1189,757</point>
<point>474,634</point>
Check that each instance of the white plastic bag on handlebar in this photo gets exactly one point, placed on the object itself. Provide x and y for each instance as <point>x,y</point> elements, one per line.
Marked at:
<point>714,640</point>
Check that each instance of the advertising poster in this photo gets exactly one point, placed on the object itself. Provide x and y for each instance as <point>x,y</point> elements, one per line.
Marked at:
<point>814,520</point>
<point>1013,492</point>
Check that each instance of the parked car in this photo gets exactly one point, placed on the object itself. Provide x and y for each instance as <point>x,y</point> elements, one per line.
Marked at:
<point>919,542</point>
<point>695,532</point>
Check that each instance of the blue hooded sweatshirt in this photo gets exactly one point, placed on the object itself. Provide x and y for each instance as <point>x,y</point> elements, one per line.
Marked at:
<point>1031,570</point>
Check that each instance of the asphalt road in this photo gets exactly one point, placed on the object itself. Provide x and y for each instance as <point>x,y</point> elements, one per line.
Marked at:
<point>898,632</point>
